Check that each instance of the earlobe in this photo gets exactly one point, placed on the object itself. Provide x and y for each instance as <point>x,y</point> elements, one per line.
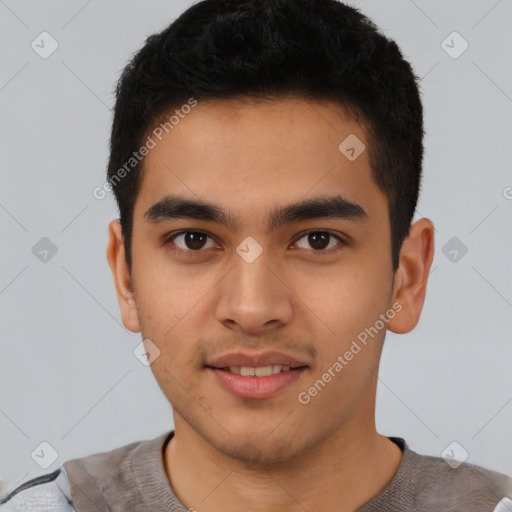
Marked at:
<point>121,275</point>
<point>410,281</point>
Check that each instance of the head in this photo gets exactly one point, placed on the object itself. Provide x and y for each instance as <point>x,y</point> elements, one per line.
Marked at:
<point>290,130</point>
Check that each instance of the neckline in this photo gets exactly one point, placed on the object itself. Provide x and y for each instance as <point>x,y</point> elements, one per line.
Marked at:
<point>156,493</point>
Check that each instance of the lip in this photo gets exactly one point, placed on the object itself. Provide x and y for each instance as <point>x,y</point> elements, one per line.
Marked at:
<point>254,360</point>
<point>256,388</point>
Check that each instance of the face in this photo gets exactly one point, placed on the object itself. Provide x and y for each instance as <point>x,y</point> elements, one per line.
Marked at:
<point>226,290</point>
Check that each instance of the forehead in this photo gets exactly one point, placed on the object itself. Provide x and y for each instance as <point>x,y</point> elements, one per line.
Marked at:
<point>253,155</point>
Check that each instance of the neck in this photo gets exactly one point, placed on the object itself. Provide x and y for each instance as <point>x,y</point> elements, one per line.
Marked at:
<point>345,472</point>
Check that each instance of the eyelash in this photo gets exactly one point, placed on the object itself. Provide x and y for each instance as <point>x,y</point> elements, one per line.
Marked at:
<point>191,252</point>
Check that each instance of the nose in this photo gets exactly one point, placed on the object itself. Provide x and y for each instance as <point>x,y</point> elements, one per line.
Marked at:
<point>254,298</point>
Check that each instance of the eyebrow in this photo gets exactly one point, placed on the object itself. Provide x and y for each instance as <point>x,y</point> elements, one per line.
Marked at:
<point>178,207</point>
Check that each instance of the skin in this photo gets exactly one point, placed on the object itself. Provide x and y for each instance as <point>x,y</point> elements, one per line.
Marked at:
<point>274,454</point>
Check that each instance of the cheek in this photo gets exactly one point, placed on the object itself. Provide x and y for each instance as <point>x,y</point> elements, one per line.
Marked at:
<point>345,309</point>
<point>162,296</point>
<point>345,299</point>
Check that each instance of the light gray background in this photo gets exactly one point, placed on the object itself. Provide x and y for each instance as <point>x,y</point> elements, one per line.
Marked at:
<point>68,375</point>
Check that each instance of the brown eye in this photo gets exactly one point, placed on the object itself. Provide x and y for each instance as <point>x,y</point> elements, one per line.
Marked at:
<point>320,240</point>
<point>191,241</point>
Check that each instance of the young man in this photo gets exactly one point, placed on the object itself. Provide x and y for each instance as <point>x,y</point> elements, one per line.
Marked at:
<point>266,159</point>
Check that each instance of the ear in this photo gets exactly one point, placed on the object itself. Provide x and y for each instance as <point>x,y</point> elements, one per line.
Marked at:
<point>120,272</point>
<point>410,281</point>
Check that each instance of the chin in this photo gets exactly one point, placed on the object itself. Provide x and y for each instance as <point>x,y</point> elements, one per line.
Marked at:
<point>260,440</point>
<point>260,451</point>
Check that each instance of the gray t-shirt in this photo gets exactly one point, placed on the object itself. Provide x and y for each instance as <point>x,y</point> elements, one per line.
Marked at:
<point>133,478</point>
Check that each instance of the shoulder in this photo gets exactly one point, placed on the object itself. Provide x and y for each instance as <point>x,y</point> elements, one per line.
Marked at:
<point>107,466</point>
<point>461,486</point>
<point>62,490</point>
<point>113,477</point>
<point>46,492</point>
